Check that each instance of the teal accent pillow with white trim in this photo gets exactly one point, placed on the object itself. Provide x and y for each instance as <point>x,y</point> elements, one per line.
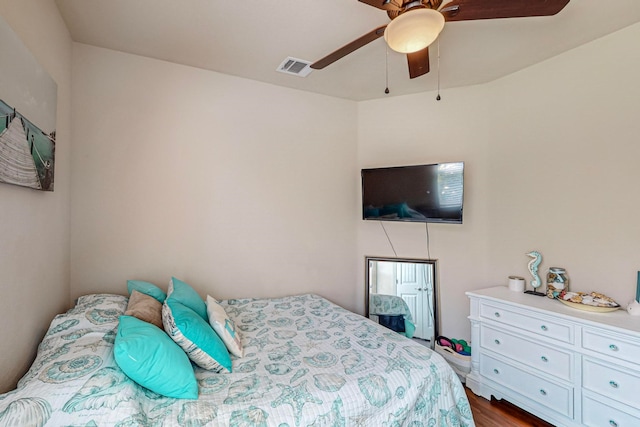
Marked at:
<point>187,296</point>
<point>195,336</point>
<point>147,355</point>
<point>147,289</point>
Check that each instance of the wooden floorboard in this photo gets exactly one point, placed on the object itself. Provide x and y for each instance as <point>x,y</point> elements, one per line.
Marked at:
<point>500,413</point>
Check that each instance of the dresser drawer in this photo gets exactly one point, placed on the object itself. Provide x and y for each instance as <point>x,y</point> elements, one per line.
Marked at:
<point>553,396</point>
<point>604,379</point>
<point>538,324</point>
<point>613,345</point>
<point>553,361</point>
<point>598,414</point>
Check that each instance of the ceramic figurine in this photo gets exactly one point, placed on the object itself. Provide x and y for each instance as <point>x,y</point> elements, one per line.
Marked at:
<point>533,269</point>
<point>633,308</point>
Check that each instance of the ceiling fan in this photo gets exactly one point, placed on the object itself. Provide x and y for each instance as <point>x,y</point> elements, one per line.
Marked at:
<point>415,24</point>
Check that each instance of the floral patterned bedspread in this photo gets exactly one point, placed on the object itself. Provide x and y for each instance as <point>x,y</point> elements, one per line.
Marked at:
<point>307,362</point>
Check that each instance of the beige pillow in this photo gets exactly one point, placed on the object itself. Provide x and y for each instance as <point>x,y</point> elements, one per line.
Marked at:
<point>146,308</point>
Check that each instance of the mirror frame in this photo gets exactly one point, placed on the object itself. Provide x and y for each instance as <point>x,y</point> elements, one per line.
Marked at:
<point>436,312</point>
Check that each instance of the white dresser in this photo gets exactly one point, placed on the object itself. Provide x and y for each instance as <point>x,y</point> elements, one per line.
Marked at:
<point>566,366</point>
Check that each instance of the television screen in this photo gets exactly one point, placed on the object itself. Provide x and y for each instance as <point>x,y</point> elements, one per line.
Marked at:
<point>422,193</point>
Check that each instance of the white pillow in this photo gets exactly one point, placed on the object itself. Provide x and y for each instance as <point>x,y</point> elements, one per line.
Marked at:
<point>224,327</point>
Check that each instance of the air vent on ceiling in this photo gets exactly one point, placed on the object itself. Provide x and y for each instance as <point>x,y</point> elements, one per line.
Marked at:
<point>294,66</point>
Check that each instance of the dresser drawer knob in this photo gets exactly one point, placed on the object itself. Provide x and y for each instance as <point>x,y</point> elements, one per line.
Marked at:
<point>613,384</point>
<point>495,371</point>
<point>543,327</point>
<point>544,359</point>
<point>613,347</point>
<point>543,392</point>
<point>613,423</point>
<point>497,341</point>
<point>496,314</point>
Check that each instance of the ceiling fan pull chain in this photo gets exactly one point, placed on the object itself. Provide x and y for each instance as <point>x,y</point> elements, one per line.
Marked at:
<point>438,98</point>
<point>386,68</point>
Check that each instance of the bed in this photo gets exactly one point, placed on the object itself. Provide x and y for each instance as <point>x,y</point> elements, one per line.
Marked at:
<point>307,362</point>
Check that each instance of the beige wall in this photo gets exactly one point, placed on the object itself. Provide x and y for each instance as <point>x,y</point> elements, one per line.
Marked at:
<point>551,158</point>
<point>240,188</point>
<point>34,249</point>
<point>569,132</point>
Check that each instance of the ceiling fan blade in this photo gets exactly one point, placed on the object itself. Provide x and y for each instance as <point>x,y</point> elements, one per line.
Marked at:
<point>418,63</point>
<point>348,48</point>
<point>467,10</point>
<point>384,4</point>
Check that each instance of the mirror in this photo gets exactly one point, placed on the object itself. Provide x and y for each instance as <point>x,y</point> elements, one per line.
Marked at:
<point>401,295</point>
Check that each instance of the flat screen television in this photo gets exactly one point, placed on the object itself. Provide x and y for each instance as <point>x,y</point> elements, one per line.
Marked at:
<point>421,193</point>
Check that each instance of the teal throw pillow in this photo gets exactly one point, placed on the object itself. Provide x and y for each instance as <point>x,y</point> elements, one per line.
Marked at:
<point>147,289</point>
<point>187,296</point>
<point>195,336</point>
<point>147,355</point>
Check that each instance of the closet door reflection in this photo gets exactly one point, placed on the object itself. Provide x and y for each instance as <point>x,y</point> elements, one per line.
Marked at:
<point>402,289</point>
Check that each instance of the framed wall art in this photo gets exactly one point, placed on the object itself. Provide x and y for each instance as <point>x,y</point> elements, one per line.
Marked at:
<point>28,97</point>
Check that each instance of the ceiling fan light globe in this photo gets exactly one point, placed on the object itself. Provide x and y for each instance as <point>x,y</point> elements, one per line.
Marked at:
<point>414,30</point>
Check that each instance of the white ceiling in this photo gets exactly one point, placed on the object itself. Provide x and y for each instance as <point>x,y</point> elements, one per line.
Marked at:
<point>250,39</point>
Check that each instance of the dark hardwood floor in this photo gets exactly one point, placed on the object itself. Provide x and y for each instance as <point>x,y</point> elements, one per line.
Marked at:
<point>500,413</point>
